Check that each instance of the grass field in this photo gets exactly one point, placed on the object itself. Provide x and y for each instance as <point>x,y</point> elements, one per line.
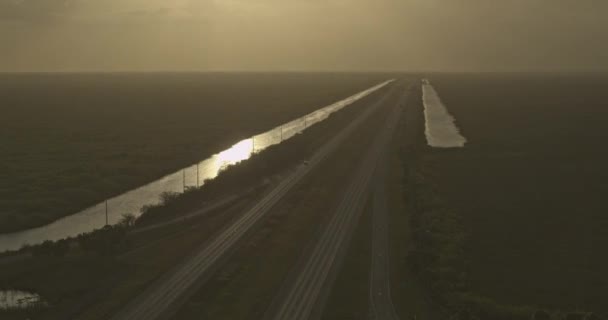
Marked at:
<point>409,293</point>
<point>71,140</point>
<point>530,185</point>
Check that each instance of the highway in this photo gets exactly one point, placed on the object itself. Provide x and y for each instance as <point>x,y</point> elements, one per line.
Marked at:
<point>381,305</point>
<point>303,296</point>
<point>156,301</point>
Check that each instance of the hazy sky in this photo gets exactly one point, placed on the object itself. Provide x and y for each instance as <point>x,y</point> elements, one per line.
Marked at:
<point>307,35</point>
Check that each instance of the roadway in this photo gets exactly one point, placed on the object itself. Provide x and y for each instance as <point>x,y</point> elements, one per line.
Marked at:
<point>381,304</point>
<point>160,298</point>
<point>303,295</point>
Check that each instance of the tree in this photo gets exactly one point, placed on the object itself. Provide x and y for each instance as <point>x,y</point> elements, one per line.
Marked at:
<point>127,220</point>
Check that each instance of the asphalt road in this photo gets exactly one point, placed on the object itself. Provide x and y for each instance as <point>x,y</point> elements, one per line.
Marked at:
<point>156,301</point>
<point>303,296</point>
<point>381,305</point>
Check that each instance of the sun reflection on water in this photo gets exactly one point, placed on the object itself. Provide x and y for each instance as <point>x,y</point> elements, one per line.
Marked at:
<point>237,153</point>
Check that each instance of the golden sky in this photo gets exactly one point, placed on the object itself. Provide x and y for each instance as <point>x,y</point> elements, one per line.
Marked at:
<point>303,35</point>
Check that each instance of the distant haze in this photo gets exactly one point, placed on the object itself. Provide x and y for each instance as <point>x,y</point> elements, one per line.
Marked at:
<point>303,35</point>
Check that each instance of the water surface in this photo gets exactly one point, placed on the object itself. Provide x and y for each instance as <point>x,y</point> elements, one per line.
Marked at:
<point>14,299</point>
<point>95,217</point>
<point>441,131</point>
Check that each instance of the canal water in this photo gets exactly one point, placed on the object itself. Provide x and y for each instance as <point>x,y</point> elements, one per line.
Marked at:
<point>132,201</point>
<point>14,299</point>
<point>441,130</point>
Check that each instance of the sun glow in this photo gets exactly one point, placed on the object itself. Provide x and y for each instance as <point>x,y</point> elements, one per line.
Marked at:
<point>237,153</point>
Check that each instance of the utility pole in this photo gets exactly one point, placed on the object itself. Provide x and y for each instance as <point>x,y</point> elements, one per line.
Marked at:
<point>183,180</point>
<point>106,212</point>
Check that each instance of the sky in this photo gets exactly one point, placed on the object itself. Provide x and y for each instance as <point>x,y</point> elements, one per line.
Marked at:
<point>303,35</point>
